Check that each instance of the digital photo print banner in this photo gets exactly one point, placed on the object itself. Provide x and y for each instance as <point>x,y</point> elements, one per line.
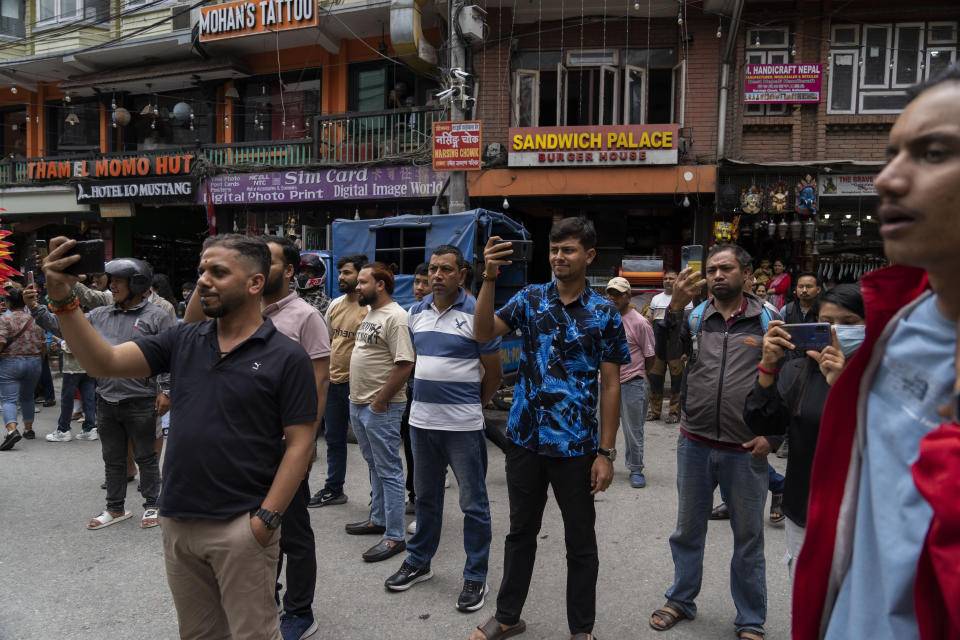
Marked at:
<point>781,83</point>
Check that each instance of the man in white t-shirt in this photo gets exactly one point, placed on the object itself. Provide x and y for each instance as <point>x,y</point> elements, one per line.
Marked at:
<point>379,367</point>
<point>455,377</point>
<point>670,359</point>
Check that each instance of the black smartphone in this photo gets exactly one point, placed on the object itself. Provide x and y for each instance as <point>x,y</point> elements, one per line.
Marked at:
<point>691,256</point>
<point>522,250</point>
<point>92,256</point>
<point>814,336</point>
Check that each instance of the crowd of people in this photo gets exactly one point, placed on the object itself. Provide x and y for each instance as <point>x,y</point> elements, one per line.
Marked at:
<point>261,359</point>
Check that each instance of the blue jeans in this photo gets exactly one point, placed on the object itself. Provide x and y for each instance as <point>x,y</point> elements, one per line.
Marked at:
<point>744,479</point>
<point>634,402</point>
<point>378,435</point>
<point>88,387</point>
<point>775,482</point>
<point>336,417</point>
<point>18,380</point>
<point>466,453</point>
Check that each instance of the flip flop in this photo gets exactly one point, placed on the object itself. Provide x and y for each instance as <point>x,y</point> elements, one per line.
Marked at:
<point>670,617</point>
<point>492,630</point>
<point>106,519</point>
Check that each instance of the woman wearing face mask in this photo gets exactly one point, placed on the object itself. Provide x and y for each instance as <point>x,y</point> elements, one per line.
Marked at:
<point>791,400</point>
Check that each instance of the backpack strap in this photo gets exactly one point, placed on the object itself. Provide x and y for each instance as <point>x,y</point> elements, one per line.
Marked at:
<point>696,322</point>
<point>766,315</point>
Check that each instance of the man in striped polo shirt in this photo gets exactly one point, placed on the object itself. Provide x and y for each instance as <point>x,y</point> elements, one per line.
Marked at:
<point>456,376</point>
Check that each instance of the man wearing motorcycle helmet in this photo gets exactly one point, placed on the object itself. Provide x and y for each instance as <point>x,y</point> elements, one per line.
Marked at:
<point>311,278</point>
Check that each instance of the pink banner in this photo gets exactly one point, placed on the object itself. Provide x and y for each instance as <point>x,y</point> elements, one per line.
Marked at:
<point>776,83</point>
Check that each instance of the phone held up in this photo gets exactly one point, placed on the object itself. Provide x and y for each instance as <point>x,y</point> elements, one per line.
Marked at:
<point>92,257</point>
<point>30,279</point>
<point>814,336</point>
<point>691,256</point>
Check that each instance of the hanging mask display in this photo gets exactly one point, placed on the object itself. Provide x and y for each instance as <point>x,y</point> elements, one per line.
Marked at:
<point>806,202</point>
<point>751,200</point>
<point>778,196</point>
<point>724,231</point>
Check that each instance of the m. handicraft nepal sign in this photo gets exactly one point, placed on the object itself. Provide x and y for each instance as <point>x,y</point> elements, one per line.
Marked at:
<point>245,18</point>
<point>776,83</point>
<point>456,146</point>
<point>109,167</point>
<point>593,146</point>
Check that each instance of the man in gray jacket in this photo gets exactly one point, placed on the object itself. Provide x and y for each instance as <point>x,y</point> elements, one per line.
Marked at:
<point>126,407</point>
<point>722,339</point>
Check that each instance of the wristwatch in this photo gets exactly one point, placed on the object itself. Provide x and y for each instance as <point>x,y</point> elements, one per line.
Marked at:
<point>270,518</point>
<point>610,453</point>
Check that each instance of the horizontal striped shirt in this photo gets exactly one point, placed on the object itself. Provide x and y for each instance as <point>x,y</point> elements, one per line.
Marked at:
<point>448,377</point>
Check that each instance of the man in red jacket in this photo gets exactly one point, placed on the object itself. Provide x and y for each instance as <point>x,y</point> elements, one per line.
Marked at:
<point>881,554</point>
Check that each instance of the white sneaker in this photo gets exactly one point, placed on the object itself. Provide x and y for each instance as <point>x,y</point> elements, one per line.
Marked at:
<point>59,436</point>
<point>88,435</point>
<point>412,527</point>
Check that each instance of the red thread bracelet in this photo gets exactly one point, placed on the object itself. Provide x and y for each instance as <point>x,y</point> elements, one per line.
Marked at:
<point>769,373</point>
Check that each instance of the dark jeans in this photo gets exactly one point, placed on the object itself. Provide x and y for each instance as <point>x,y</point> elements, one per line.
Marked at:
<point>776,483</point>
<point>407,446</point>
<point>336,418</point>
<point>46,381</point>
<point>297,543</point>
<point>528,476</point>
<point>133,420</point>
<point>88,387</point>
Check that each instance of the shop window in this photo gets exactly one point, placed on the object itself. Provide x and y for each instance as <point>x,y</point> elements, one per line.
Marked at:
<point>273,108</point>
<point>401,249</point>
<point>596,87</point>
<point>871,65</point>
<point>52,12</point>
<point>182,120</point>
<point>11,19</point>
<point>376,86</point>
<point>13,133</point>
<point>73,127</point>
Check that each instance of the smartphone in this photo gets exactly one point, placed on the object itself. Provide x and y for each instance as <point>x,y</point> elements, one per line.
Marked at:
<point>522,250</point>
<point>92,256</point>
<point>691,256</point>
<point>30,280</point>
<point>814,336</point>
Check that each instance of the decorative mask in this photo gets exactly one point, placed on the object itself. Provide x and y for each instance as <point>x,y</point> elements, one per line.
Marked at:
<point>806,202</point>
<point>778,196</point>
<point>751,200</point>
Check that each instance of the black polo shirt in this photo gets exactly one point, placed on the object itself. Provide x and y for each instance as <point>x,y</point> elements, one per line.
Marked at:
<point>227,415</point>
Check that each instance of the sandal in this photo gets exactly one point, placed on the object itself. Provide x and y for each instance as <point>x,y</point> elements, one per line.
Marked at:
<point>149,519</point>
<point>106,519</point>
<point>667,614</point>
<point>492,630</point>
<point>747,634</point>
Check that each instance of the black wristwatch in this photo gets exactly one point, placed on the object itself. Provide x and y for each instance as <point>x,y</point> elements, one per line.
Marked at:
<point>610,453</point>
<point>270,518</point>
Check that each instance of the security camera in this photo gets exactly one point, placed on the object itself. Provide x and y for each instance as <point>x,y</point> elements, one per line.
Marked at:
<point>447,94</point>
<point>460,73</point>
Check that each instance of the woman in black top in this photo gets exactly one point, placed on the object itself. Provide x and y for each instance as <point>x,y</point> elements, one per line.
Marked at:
<point>791,400</point>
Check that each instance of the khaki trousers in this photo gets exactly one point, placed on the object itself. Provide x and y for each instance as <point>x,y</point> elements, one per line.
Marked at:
<point>221,579</point>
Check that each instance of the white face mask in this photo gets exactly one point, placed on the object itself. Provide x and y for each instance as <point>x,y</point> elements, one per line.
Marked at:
<point>850,337</point>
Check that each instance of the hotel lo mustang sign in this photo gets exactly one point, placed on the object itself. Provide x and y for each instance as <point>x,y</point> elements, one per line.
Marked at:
<point>605,146</point>
<point>248,17</point>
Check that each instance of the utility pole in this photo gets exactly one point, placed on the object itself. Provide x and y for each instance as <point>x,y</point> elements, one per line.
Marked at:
<point>459,199</point>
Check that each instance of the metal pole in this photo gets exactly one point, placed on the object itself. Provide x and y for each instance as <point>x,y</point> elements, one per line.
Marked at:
<point>458,200</point>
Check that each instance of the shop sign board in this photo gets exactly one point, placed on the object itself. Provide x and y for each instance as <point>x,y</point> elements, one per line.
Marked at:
<point>244,18</point>
<point>776,83</point>
<point>853,184</point>
<point>603,146</point>
<point>123,210</point>
<point>110,167</point>
<point>367,183</point>
<point>172,189</point>
<point>456,146</point>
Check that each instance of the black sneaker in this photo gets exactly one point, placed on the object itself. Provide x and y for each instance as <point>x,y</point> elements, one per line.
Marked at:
<point>472,595</point>
<point>12,438</point>
<point>325,498</point>
<point>406,577</point>
<point>29,434</point>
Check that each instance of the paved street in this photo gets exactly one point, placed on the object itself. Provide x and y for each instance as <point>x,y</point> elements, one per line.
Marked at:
<point>59,580</point>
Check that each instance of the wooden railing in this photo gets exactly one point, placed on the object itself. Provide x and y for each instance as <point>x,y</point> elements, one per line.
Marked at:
<point>374,136</point>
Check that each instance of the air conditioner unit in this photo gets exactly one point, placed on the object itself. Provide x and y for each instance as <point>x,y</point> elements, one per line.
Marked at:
<point>470,20</point>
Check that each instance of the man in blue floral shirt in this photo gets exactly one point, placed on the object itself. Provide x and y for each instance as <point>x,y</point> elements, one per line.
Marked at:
<point>569,334</point>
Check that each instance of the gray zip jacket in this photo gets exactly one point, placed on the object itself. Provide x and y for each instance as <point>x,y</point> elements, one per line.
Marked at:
<point>720,377</point>
<point>117,325</point>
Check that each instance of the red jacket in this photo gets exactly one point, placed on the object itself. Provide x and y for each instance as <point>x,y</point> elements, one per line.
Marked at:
<point>827,547</point>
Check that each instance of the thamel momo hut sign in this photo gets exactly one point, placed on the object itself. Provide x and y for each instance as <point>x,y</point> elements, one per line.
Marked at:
<point>593,146</point>
<point>249,17</point>
<point>110,167</point>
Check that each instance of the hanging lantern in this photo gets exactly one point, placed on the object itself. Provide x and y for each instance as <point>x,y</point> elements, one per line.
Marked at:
<point>121,117</point>
<point>771,228</point>
<point>809,230</point>
<point>796,229</point>
<point>782,228</point>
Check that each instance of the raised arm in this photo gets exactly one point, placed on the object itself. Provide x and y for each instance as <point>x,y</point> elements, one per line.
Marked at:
<point>486,325</point>
<point>98,357</point>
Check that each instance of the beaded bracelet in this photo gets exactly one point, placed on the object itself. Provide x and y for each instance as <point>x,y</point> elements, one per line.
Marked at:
<point>62,303</point>
<point>64,306</point>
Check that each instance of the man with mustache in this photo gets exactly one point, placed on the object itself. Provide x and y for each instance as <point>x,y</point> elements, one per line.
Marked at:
<point>880,555</point>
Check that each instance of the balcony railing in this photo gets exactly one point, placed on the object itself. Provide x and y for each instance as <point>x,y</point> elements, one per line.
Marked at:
<point>374,136</point>
<point>283,153</point>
